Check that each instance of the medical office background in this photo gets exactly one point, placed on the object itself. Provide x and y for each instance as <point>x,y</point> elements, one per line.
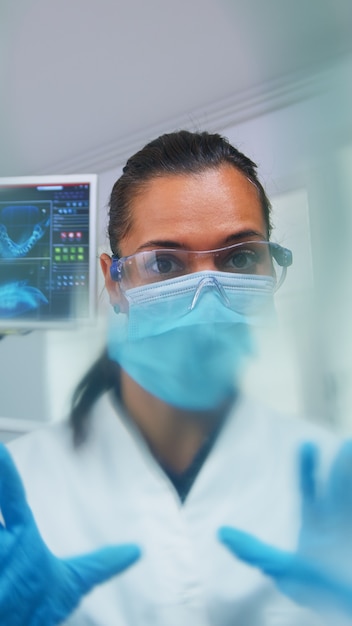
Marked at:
<point>85,83</point>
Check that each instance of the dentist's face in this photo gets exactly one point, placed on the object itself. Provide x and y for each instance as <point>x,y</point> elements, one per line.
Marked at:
<point>187,363</point>
<point>213,209</point>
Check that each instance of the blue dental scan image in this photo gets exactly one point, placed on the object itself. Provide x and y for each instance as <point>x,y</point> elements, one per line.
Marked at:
<point>45,270</point>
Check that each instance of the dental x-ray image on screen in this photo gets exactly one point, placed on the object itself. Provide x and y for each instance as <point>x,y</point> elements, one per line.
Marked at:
<point>47,251</point>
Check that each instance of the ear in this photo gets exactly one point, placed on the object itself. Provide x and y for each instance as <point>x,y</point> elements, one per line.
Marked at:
<point>116,296</point>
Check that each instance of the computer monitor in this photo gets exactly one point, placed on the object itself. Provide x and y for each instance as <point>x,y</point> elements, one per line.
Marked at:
<point>47,251</point>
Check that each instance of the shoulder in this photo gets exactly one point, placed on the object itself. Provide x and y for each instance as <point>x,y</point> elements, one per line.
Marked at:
<point>293,425</point>
<point>48,451</point>
<point>113,456</point>
<point>46,442</point>
<point>67,485</point>
<point>279,434</point>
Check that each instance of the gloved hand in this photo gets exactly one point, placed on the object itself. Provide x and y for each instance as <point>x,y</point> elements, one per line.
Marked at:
<point>319,574</point>
<point>37,588</point>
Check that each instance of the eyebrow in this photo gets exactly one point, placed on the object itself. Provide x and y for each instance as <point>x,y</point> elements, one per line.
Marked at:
<point>244,235</point>
<point>160,243</point>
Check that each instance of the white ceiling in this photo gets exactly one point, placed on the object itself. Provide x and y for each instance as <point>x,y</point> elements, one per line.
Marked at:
<point>85,82</point>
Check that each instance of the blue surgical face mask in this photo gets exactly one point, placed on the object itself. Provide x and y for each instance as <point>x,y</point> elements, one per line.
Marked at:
<point>185,339</point>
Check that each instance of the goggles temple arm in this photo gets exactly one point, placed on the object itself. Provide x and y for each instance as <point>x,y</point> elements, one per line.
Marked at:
<point>283,256</point>
<point>115,269</point>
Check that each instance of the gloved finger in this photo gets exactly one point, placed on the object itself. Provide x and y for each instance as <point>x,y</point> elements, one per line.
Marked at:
<point>270,560</point>
<point>13,503</point>
<point>97,567</point>
<point>308,463</point>
<point>339,486</point>
<point>309,454</point>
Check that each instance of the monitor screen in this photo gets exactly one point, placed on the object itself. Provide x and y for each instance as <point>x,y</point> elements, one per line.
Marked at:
<point>47,251</point>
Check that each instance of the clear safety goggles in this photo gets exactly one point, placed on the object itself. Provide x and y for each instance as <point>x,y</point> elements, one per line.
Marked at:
<point>262,258</point>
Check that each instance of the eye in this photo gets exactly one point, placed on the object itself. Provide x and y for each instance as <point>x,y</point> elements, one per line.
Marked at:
<point>164,265</point>
<point>240,261</point>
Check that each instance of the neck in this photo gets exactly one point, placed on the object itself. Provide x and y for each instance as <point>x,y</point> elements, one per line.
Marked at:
<point>174,435</point>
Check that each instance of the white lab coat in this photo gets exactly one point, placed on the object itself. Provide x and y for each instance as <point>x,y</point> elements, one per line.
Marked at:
<point>112,490</point>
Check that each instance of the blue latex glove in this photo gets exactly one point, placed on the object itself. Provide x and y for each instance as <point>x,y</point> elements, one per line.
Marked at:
<point>37,588</point>
<point>319,574</point>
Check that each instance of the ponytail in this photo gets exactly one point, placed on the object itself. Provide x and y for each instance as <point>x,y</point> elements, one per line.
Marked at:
<point>102,376</point>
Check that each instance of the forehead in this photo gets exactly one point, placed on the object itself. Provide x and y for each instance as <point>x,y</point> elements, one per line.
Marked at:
<point>196,211</point>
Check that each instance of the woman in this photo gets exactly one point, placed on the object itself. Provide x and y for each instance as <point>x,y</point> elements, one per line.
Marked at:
<point>165,450</point>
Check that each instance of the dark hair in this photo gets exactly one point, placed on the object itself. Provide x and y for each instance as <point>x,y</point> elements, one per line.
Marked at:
<point>181,152</point>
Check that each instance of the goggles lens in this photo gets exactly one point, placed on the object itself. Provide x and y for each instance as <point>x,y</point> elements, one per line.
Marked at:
<point>260,258</point>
